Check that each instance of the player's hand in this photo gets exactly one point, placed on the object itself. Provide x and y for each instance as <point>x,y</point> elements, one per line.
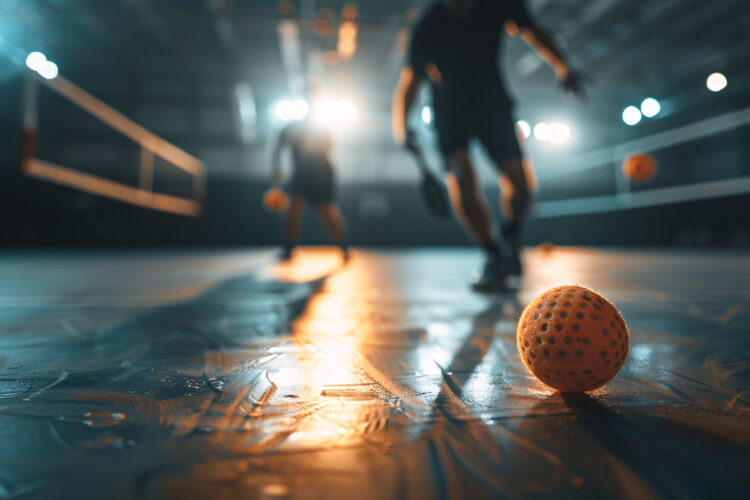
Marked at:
<point>573,85</point>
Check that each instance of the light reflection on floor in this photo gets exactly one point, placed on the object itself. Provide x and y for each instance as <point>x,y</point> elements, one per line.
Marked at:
<point>386,377</point>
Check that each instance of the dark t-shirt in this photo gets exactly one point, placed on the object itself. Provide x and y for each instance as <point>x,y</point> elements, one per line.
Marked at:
<point>311,146</point>
<point>464,51</point>
<point>311,149</point>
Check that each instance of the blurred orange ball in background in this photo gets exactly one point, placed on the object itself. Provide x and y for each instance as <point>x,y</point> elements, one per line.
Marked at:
<point>572,339</point>
<point>639,167</point>
<point>275,200</point>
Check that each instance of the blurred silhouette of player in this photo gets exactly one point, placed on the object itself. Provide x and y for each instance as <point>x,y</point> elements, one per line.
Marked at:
<point>456,46</point>
<point>312,182</point>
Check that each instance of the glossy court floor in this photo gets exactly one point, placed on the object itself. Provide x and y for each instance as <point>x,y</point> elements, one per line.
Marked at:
<point>221,375</point>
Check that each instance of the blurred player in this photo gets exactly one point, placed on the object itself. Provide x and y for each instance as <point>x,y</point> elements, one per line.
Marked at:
<point>312,182</point>
<point>455,46</point>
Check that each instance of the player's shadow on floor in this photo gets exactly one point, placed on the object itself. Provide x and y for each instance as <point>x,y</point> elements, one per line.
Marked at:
<point>459,443</point>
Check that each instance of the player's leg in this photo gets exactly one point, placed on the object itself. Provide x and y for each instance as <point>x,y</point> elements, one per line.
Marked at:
<point>471,210</point>
<point>454,126</point>
<point>465,196</point>
<point>334,223</point>
<point>515,199</point>
<point>497,133</point>
<point>291,224</point>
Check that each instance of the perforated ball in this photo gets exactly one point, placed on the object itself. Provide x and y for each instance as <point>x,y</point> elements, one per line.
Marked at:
<point>275,200</point>
<point>639,167</point>
<point>572,339</point>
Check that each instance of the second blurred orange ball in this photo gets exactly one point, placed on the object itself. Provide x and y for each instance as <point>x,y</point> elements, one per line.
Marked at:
<point>275,200</point>
<point>639,167</point>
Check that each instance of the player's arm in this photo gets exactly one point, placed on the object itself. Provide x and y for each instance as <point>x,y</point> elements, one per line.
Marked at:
<point>540,40</point>
<point>403,100</point>
<point>278,148</point>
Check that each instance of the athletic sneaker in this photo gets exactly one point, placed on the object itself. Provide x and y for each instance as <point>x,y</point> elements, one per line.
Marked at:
<point>494,276</point>
<point>512,246</point>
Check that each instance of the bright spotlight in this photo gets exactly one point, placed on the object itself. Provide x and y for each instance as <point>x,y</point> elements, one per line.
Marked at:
<point>49,70</point>
<point>524,127</point>
<point>334,112</point>
<point>36,61</point>
<point>427,115</point>
<point>716,82</point>
<point>559,133</point>
<point>650,107</point>
<point>542,132</point>
<point>291,110</point>
<point>631,115</point>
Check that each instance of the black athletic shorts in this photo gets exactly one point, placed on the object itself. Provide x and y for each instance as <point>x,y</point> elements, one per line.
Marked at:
<point>492,124</point>
<point>314,183</point>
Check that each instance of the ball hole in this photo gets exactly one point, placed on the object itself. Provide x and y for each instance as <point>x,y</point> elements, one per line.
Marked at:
<point>576,327</point>
<point>579,315</point>
<point>546,352</point>
<point>603,354</point>
<point>551,340</point>
<point>568,340</point>
<point>545,327</point>
<point>579,353</point>
<point>585,341</point>
<point>563,315</point>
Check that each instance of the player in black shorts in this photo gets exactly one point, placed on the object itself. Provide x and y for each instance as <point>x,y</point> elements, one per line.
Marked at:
<point>455,46</point>
<point>312,181</point>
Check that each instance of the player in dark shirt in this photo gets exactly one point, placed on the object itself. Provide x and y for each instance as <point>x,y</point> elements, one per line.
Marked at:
<point>312,181</point>
<point>456,46</point>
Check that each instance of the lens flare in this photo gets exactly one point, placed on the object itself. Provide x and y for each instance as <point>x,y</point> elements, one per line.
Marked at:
<point>49,70</point>
<point>631,116</point>
<point>291,109</point>
<point>716,82</point>
<point>335,113</point>
<point>650,107</point>
<point>36,61</point>
<point>542,132</point>
<point>524,127</point>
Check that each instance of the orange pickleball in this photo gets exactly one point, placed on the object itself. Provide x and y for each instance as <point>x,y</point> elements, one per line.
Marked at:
<point>639,167</point>
<point>275,200</point>
<point>572,339</point>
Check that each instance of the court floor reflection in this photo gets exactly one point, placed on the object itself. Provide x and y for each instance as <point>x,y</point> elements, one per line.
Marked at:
<point>228,376</point>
